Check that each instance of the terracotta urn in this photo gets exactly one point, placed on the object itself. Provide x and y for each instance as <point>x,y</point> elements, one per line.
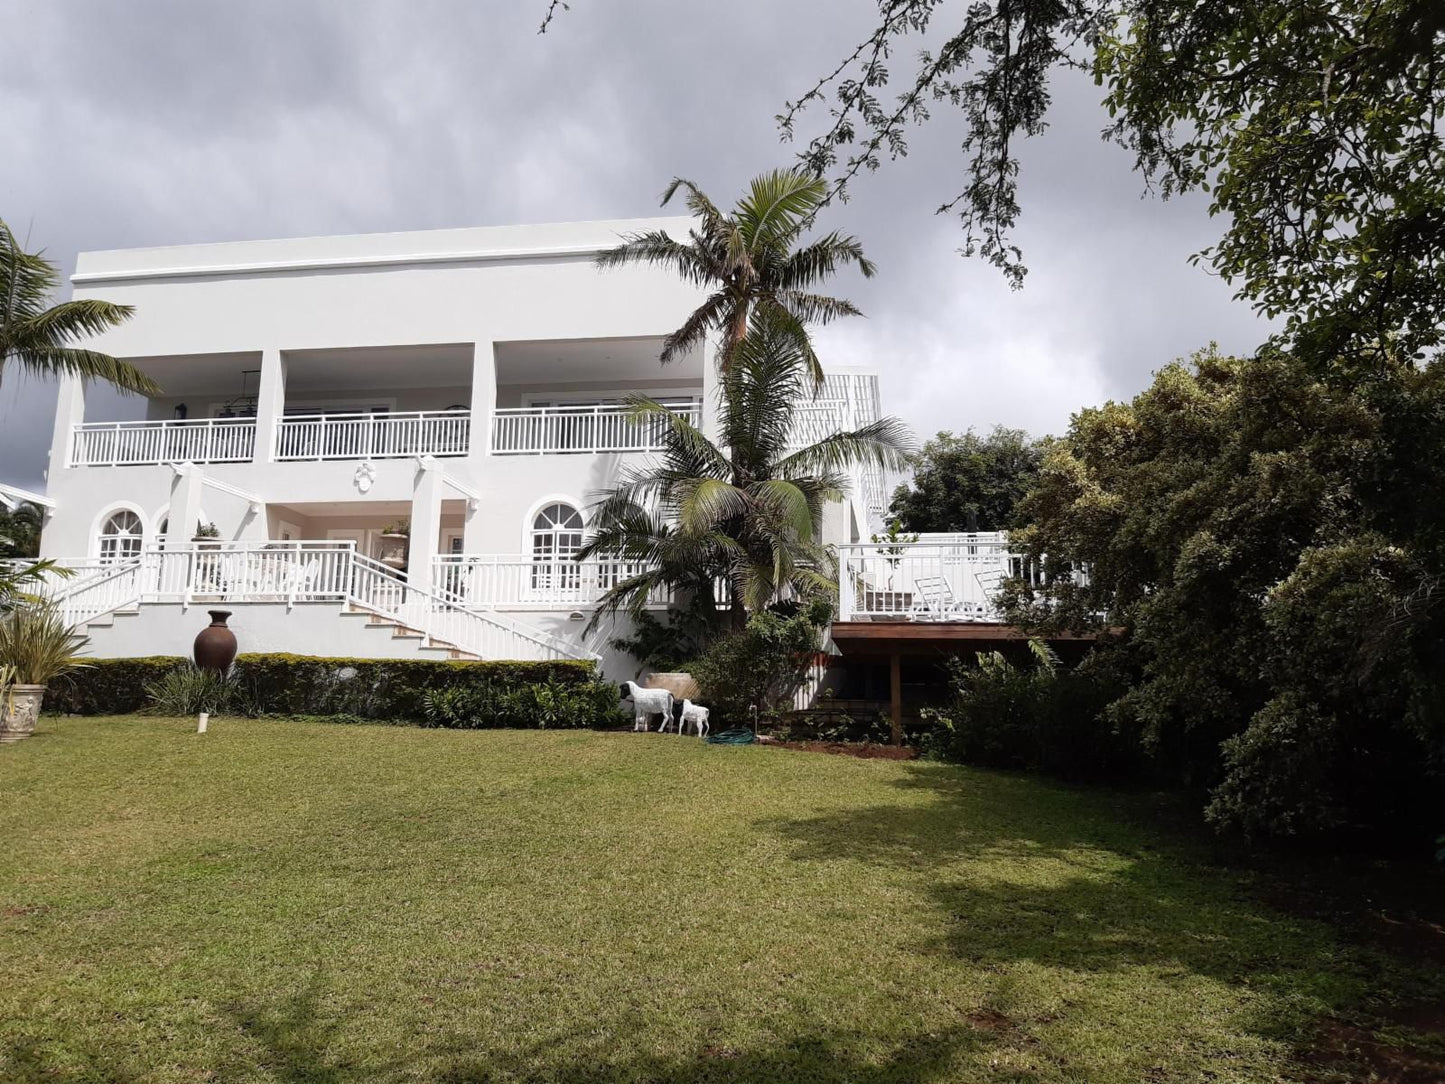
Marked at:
<point>215,647</point>
<point>19,708</point>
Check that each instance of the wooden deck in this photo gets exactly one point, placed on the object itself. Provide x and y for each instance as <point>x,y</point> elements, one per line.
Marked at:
<point>897,640</point>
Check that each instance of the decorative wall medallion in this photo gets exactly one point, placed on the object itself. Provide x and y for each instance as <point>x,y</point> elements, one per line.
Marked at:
<point>364,477</point>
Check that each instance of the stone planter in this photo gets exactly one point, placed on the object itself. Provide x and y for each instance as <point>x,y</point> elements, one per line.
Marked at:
<point>19,710</point>
<point>680,684</point>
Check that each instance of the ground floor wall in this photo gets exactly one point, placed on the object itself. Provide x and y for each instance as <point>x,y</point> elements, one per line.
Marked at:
<point>319,628</point>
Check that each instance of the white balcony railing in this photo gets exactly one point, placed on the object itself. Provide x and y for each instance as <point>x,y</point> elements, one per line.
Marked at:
<point>951,578</point>
<point>579,429</point>
<point>210,440</point>
<point>516,581</point>
<point>374,436</point>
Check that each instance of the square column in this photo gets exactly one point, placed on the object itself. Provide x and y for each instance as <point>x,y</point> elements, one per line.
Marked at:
<point>426,523</point>
<point>185,508</point>
<point>270,404</point>
<point>484,400</point>
<point>69,412</point>
<point>710,349</point>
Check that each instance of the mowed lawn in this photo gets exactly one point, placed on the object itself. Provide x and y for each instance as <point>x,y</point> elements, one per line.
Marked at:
<point>287,901</point>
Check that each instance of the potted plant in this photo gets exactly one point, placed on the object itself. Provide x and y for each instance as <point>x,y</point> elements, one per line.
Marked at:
<point>36,646</point>
<point>206,532</point>
<point>394,543</point>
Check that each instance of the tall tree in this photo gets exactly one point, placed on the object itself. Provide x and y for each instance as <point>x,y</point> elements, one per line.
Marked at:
<point>39,336</point>
<point>744,511</point>
<point>751,260</point>
<point>20,531</point>
<point>1314,126</point>
<point>1268,546</point>
<point>968,482</point>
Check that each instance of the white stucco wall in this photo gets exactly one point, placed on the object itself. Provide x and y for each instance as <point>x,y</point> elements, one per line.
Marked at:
<point>315,628</point>
<point>468,296</point>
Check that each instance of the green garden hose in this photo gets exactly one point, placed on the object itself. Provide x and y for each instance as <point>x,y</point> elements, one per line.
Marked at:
<point>732,737</point>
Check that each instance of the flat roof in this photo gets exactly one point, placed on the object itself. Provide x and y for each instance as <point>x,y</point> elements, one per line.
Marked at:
<point>474,244</point>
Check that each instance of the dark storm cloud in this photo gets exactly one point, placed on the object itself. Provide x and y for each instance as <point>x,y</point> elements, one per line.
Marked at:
<point>148,123</point>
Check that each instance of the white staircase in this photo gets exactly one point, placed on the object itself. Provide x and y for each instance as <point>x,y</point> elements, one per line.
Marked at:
<point>284,574</point>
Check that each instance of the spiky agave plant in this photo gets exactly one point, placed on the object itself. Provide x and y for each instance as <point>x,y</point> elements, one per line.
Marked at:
<point>37,643</point>
<point>743,512</point>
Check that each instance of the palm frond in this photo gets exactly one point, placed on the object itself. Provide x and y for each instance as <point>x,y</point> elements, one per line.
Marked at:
<point>659,249</point>
<point>886,443</point>
<point>821,258</point>
<point>817,309</point>
<point>86,364</point>
<point>706,502</point>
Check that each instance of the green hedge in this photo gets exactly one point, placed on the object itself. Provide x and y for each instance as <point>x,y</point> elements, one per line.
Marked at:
<point>390,689</point>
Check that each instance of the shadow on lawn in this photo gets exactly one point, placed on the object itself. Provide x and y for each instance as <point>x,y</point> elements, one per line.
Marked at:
<point>293,1048</point>
<point>1024,870</point>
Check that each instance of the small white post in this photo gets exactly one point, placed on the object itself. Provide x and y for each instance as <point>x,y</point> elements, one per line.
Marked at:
<point>202,721</point>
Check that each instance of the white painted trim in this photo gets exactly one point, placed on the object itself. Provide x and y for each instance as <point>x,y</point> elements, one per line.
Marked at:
<point>551,498</point>
<point>24,496</point>
<point>147,527</point>
<point>163,513</point>
<point>587,398</point>
<point>266,267</point>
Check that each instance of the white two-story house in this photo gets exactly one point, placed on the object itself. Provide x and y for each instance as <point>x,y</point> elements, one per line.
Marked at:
<point>396,439</point>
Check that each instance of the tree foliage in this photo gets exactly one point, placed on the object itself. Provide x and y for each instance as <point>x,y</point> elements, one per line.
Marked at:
<point>968,482</point>
<point>743,511</point>
<point>1313,125</point>
<point>40,337</point>
<point>20,531</point>
<point>1271,549</point>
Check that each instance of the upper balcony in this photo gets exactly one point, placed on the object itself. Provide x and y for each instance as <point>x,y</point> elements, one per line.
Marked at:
<point>551,398</point>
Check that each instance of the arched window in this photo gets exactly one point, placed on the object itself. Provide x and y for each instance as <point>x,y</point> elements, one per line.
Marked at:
<point>556,538</point>
<point>121,536</point>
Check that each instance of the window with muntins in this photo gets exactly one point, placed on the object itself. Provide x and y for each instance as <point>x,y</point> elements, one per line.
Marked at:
<point>121,536</point>
<point>556,538</point>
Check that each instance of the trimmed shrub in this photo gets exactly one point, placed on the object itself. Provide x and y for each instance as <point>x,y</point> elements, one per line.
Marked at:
<point>520,694</point>
<point>109,686</point>
<point>1039,716</point>
<point>760,667</point>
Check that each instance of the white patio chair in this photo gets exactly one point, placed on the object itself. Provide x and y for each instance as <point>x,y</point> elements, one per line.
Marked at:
<point>933,599</point>
<point>989,583</point>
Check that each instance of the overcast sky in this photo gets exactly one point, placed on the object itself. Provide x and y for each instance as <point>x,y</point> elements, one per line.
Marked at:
<point>154,122</point>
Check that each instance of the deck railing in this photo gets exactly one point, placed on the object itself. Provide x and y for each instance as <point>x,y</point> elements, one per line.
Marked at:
<point>953,578</point>
<point>374,436</point>
<point>560,430</point>
<point>516,581</point>
<point>209,440</point>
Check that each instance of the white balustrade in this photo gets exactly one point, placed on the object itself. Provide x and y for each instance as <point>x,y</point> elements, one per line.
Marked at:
<point>209,440</point>
<point>818,418</point>
<point>947,578</point>
<point>504,580</point>
<point>580,429</point>
<point>296,572</point>
<point>374,436</point>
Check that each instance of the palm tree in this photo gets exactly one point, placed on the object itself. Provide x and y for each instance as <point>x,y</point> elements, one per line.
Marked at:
<point>749,261</point>
<point>744,514</point>
<point>38,336</point>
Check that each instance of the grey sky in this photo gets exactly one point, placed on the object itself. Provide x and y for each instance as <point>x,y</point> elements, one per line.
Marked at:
<point>153,122</point>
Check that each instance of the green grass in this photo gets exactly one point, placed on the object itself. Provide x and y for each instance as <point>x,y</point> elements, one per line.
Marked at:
<point>286,901</point>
